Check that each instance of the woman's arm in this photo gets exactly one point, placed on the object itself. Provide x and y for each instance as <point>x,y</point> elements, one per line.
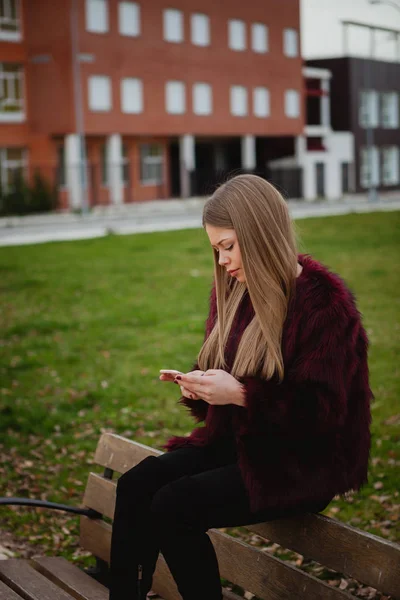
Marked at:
<point>319,384</point>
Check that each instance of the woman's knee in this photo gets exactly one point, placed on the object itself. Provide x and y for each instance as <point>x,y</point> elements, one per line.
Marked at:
<point>146,475</point>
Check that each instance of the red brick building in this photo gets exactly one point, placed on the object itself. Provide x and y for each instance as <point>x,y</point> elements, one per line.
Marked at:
<point>165,93</point>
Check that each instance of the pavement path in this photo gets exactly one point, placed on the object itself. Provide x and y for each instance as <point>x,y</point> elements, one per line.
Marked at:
<point>145,217</point>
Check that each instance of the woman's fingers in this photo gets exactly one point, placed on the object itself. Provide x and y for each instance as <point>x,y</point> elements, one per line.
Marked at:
<point>188,394</point>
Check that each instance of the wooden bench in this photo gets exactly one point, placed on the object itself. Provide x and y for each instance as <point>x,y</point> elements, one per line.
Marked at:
<point>362,556</point>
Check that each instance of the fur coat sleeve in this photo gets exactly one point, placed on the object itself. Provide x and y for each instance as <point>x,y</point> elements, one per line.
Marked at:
<point>325,358</point>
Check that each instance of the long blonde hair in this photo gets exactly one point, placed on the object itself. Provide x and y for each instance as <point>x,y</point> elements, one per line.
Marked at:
<point>259,215</point>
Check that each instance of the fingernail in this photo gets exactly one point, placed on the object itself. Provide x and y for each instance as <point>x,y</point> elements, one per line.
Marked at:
<point>178,377</point>
<point>176,382</point>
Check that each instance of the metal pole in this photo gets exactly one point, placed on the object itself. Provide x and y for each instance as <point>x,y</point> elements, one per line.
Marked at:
<point>78,104</point>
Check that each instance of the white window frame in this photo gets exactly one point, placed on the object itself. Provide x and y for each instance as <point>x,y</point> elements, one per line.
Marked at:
<point>292,104</point>
<point>261,97</point>
<point>94,104</point>
<point>129,19</point>
<point>390,110</point>
<point>369,108</point>
<point>202,99</point>
<point>131,86</point>
<point>200,29</point>
<point>175,97</point>
<point>91,6</point>
<point>369,166</point>
<point>237,35</point>
<point>259,38</point>
<point>8,81</point>
<point>149,161</point>
<point>7,164</point>
<point>239,102</point>
<point>390,165</point>
<point>173,25</point>
<point>290,42</point>
<point>7,19</point>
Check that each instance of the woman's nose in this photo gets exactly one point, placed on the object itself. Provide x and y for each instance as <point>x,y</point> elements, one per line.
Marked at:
<point>222,260</point>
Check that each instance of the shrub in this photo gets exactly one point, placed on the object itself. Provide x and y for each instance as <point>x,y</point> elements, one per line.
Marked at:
<point>23,199</point>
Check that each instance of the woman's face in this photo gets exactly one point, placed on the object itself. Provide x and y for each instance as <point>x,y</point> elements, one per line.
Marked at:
<point>225,242</point>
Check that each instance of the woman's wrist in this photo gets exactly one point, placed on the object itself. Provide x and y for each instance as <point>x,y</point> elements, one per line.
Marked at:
<point>240,395</point>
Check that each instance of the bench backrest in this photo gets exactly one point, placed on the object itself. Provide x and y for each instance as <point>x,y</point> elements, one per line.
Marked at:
<point>360,555</point>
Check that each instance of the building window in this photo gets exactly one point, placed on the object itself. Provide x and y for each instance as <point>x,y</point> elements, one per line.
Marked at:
<point>390,165</point>
<point>129,18</point>
<point>173,25</point>
<point>261,104</point>
<point>97,16</point>
<point>10,24</point>
<point>12,166</point>
<point>290,42</point>
<point>236,34</point>
<point>390,110</point>
<point>292,104</point>
<point>11,93</point>
<point>125,165</point>
<point>345,172</point>
<point>131,95</point>
<point>100,93</point>
<point>369,108</point>
<point>151,164</point>
<point>369,169</point>
<point>103,165</point>
<point>259,38</point>
<point>200,26</point>
<point>175,97</point>
<point>239,101</point>
<point>202,99</point>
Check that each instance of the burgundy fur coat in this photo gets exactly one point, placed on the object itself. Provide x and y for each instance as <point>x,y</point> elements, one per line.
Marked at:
<point>307,438</point>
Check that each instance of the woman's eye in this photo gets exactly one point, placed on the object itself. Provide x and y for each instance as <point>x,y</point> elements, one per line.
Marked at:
<point>226,249</point>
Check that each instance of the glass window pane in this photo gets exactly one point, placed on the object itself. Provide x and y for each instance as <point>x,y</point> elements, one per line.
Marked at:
<point>129,18</point>
<point>14,154</point>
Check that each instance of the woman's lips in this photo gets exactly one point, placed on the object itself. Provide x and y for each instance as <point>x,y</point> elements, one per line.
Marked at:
<point>233,273</point>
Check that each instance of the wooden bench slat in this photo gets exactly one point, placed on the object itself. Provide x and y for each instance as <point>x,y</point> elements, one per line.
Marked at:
<point>7,593</point>
<point>70,578</point>
<point>366,557</point>
<point>31,585</point>
<point>343,548</point>
<point>264,575</point>
<point>95,536</point>
<point>120,454</point>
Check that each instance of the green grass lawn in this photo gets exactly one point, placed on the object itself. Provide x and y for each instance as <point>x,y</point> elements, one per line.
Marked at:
<point>87,325</point>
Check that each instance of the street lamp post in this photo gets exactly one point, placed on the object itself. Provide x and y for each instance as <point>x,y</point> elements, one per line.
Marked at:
<point>78,105</point>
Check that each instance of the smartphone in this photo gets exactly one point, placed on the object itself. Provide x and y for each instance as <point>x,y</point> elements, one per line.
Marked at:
<point>171,372</point>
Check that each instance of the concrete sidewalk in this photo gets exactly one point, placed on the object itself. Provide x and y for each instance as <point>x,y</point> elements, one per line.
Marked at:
<point>159,215</point>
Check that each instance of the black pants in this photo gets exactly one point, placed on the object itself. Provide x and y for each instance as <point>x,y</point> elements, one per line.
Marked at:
<point>168,503</point>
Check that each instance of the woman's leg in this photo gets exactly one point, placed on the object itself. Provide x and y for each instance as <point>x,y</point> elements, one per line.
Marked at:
<point>183,510</point>
<point>134,542</point>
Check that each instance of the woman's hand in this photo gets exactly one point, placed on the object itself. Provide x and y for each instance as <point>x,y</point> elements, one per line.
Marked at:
<point>185,391</point>
<point>215,386</point>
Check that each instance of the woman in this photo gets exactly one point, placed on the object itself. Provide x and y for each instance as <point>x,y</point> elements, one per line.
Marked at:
<point>281,382</point>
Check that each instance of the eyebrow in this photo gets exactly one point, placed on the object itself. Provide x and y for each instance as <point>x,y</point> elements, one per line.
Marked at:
<point>220,242</point>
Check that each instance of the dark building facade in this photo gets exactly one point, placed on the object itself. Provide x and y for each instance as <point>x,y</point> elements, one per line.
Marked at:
<point>365,100</point>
